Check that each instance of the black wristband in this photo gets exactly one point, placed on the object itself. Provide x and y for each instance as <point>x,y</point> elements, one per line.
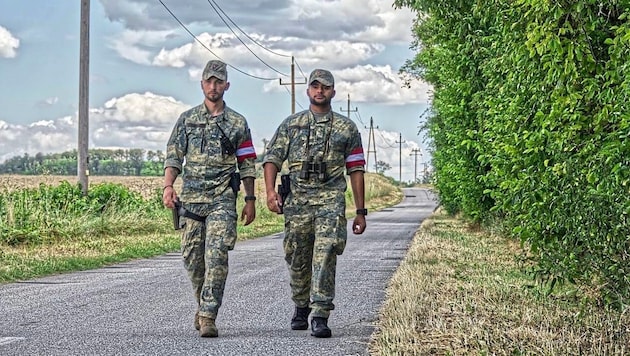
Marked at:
<point>166,186</point>
<point>250,197</point>
<point>362,212</point>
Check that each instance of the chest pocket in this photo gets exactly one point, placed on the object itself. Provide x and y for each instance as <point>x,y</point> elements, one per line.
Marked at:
<point>298,142</point>
<point>196,137</point>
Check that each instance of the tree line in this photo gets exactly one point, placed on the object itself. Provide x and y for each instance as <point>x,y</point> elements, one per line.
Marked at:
<point>530,128</point>
<point>106,162</point>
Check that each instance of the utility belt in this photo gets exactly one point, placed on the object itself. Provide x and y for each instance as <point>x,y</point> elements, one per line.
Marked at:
<point>179,211</point>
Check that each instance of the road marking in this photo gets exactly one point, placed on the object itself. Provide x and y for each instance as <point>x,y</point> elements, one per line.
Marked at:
<point>8,340</point>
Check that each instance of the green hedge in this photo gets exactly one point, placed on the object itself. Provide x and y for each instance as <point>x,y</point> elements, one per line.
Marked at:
<point>531,126</point>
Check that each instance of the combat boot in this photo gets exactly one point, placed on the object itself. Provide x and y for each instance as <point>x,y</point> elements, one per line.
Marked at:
<point>207,327</point>
<point>196,323</point>
<point>300,318</point>
<point>319,327</point>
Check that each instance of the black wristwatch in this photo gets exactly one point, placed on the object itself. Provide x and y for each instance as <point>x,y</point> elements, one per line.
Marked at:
<point>250,197</point>
<point>362,212</point>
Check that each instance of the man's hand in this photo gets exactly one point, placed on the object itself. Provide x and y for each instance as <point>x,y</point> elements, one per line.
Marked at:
<point>169,197</point>
<point>274,202</point>
<point>249,212</point>
<point>359,224</point>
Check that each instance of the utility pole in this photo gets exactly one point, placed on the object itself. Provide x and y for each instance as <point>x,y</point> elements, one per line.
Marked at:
<point>371,142</point>
<point>84,98</point>
<point>400,142</point>
<point>292,84</point>
<point>415,152</point>
<point>348,109</point>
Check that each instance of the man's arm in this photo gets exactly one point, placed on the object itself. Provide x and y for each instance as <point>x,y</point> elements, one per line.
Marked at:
<point>249,210</point>
<point>168,192</point>
<point>273,199</point>
<point>358,192</point>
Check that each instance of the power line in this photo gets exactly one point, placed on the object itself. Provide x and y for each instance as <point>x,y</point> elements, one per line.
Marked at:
<point>380,133</point>
<point>246,35</point>
<point>206,47</point>
<point>297,102</point>
<point>240,40</point>
<point>300,68</point>
<point>292,84</point>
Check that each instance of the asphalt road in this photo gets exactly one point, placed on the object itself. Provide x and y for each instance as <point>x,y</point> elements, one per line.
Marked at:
<point>146,307</point>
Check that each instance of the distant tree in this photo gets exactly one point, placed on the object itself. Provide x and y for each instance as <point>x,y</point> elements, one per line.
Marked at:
<point>382,167</point>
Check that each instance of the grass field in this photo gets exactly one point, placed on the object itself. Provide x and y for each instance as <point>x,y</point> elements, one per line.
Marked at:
<point>43,238</point>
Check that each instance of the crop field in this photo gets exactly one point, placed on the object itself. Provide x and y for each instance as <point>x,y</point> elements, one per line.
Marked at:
<point>146,186</point>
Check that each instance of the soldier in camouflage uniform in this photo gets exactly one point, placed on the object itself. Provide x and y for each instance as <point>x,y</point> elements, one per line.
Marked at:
<point>212,140</point>
<point>319,145</point>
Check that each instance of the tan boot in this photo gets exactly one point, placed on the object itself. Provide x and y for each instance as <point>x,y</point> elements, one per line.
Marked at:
<point>207,327</point>
<point>197,325</point>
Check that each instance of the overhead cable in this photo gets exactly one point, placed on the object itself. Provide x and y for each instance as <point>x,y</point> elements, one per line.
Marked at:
<point>206,47</point>
<point>246,35</point>
<point>240,40</point>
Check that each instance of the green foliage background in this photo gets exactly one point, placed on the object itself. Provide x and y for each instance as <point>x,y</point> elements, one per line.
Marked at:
<point>531,126</point>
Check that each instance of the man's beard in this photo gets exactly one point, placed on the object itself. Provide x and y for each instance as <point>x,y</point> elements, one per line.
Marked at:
<point>214,97</point>
<point>324,102</point>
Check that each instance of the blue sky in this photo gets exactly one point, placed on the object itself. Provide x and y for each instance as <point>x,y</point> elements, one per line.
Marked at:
<point>145,70</point>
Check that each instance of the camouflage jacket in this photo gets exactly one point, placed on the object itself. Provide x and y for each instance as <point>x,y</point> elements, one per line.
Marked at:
<point>195,149</point>
<point>333,139</point>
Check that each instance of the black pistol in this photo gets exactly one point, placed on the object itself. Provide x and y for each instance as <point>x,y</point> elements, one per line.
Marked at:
<point>235,182</point>
<point>176,214</point>
<point>284,189</point>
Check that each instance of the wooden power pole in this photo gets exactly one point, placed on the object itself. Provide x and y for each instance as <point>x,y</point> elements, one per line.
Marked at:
<point>347,110</point>
<point>415,152</point>
<point>400,142</point>
<point>292,84</point>
<point>84,99</point>
<point>371,142</point>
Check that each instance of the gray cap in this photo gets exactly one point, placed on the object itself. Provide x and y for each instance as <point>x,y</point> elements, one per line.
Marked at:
<point>215,68</point>
<point>323,76</point>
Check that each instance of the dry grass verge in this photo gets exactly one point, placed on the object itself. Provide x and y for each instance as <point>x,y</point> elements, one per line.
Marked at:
<point>461,292</point>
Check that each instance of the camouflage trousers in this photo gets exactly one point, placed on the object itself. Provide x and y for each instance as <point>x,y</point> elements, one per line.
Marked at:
<point>314,237</point>
<point>205,249</point>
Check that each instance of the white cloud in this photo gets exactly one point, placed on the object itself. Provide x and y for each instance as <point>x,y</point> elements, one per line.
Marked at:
<point>137,46</point>
<point>131,121</point>
<point>8,44</point>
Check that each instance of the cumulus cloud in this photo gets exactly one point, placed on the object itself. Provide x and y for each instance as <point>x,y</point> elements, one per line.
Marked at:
<point>42,136</point>
<point>137,46</point>
<point>131,121</point>
<point>344,34</point>
<point>8,44</point>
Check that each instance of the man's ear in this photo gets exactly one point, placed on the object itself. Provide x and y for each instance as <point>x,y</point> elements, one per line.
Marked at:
<point>227,86</point>
<point>333,93</point>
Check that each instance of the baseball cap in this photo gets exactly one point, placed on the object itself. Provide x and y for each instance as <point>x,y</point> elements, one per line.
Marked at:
<point>323,76</point>
<point>215,68</point>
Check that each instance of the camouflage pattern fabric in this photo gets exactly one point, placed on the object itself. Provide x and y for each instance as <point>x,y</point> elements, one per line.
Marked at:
<point>315,223</point>
<point>195,149</point>
<point>314,236</point>
<point>197,138</point>
<point>289,143</point>
<point>205,250</point>
<point>323,76</point>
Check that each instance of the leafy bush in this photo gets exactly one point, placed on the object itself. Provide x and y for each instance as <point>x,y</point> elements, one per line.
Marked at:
<point>531,125</point>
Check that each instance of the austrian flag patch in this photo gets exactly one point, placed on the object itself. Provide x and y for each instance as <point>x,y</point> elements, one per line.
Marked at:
<point>356,158</point>
<point>245,150</point>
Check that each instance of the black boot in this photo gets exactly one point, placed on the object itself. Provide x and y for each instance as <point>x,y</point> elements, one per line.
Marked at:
<point>320,328</point>
<point>300,318</point>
